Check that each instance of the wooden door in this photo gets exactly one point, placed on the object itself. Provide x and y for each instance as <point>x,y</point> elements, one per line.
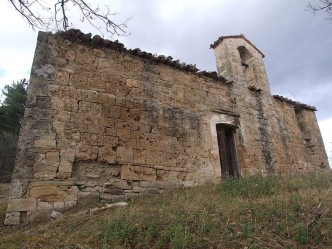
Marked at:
<point>227,151</point>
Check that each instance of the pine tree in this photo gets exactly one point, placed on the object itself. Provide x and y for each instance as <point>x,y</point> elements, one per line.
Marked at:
<point>12,108</point>
<point>11,114</point>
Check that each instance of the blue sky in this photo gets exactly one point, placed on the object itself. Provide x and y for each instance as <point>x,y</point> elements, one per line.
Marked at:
<point>2,72</point>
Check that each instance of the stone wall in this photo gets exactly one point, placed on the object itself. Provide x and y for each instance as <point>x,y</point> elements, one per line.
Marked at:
<point>104,123</point>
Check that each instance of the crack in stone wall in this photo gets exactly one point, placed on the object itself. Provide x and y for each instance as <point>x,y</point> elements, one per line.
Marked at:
<point>264,135</point>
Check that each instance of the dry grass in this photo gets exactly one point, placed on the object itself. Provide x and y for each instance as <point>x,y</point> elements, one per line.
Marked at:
<point>272,212</point>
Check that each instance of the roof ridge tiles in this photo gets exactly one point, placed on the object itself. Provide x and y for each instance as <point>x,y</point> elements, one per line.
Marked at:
<point>78,36</point>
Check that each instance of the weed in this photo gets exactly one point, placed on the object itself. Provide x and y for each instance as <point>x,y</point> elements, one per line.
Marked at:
<point>301,234</point>
<point>251,187</point>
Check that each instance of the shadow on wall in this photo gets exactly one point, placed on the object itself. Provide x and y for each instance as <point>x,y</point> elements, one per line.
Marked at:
<point>8,146</point>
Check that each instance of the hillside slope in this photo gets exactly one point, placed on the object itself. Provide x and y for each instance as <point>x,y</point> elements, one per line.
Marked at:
<point>271,212</point>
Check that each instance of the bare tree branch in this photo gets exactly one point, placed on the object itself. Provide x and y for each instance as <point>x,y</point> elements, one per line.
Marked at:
<point>321,6</point>
<point>53,18</point>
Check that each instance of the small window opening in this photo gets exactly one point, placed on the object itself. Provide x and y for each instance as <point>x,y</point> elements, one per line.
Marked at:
<point>247,66</point>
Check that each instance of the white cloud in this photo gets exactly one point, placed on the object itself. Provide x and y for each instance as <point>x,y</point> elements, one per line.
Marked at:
<point>17,45</point>
<point>17,65</point>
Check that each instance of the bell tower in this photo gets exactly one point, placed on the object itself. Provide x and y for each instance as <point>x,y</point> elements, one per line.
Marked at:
<point>239,60</point>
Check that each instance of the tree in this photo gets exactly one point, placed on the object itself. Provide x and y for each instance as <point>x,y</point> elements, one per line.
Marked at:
<point>55,15</point>
<point>12,108</point>
<point>11,114</point>
<point>322,6</point>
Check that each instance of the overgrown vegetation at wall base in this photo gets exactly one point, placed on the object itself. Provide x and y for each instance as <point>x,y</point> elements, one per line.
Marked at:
<point>255,212</point>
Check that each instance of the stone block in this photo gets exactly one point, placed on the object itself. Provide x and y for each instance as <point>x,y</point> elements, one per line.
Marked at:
<point>39,183</point>
<point>18,188</point>
<point>117,183</point>
<point>46,175</point>
<point>106,154</point>
<point>52,157</point>
<point>23,204</point>
<point>121,184</point>
<point>93,175</point>
<point>123,133</point>
<point>45,71</point>
<point>86,152</point>
<point>173,176</point>
<point>70,204</point>
<point>59,205</point>
<point>106,99</point>
<point>62,116</point>
<point>85,198</point>
<point>68,155</point>
<point>43,191</point>
<point>115,112</point>
<point>125,155</point>
<point>100,53</point>
<point>59,126</point>
<point>44,125</point>
<point>70,55</point>
<point>144,184</point>
<point>56,215</point>
<point>39,167</point>
<point>113,190</point>
<point>45,143</point>
<point>65,167</point>
<point>44,206</point>
<point>106,196</point>
<point>162,175</point>
<point>113,171</point>
<point>73,190</point>
<point>138,173</point>
<point>131,83</point>
<point>12,218</point>
<point>104,63</point>
<point>139,190</point>
<point>107,131</point>
<point>140,156</point>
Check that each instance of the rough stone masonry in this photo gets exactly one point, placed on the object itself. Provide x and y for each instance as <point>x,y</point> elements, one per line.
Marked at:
<point>104,123</point>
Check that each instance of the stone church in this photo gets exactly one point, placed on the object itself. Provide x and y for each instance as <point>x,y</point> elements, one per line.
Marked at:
<point>103,122</point>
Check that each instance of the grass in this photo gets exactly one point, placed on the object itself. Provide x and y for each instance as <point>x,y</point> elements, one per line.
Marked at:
<point>255,212</point>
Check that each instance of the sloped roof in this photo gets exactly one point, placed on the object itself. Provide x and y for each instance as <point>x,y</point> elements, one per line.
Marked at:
<point>296,104</point>
<point>96,41</point>
<point>221,38</point>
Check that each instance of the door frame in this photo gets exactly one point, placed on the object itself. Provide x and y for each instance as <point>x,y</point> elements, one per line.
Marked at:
<point>231,119</point>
